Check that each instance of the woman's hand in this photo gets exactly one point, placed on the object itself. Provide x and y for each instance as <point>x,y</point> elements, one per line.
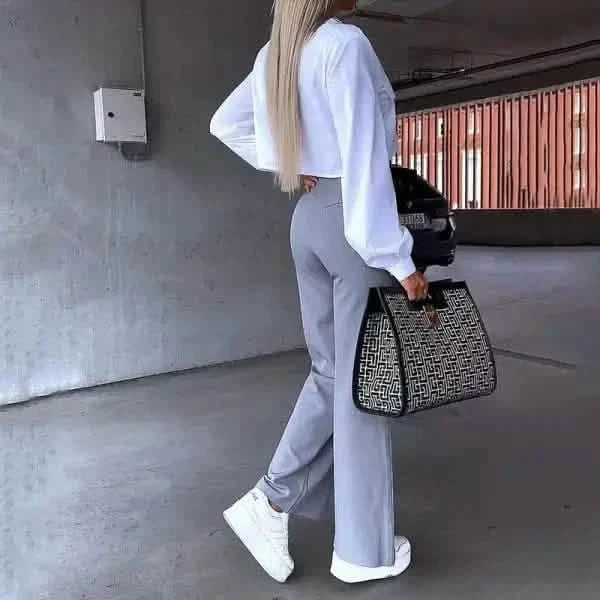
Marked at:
<point>309,183</point>
<point>416,286</point>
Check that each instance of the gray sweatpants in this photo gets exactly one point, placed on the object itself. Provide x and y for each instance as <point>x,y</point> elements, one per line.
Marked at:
<point>330,449</point>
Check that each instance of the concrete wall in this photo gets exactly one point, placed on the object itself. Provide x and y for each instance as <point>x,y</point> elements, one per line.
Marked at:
<point>565,227</point>
<point>111,270</point>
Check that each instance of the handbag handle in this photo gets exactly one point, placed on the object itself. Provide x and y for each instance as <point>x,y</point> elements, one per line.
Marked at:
<point>436,298</point>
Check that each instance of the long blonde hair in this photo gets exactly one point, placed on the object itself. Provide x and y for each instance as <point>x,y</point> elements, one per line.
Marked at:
<point>294,21</point>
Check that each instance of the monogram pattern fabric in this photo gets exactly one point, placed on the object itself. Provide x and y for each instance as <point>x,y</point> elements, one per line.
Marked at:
<point>449,362</point>
<point>379,381</point>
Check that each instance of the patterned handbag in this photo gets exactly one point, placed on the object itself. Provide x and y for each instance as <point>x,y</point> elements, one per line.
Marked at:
<point>411,357</point>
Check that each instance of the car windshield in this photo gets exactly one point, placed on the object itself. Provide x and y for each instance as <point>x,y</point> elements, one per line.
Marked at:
<point>411,186</point>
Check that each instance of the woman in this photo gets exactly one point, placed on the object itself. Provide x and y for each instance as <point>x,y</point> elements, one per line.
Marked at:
<point>318,102</point>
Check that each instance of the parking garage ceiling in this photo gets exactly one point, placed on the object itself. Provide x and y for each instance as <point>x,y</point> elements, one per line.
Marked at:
<point>429,46</point>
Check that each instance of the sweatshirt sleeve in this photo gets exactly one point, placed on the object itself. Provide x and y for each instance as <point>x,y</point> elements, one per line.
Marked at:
<point>233,123</point>
<point>371,222</point>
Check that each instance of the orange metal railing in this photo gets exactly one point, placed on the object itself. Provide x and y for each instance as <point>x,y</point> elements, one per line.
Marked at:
<point>536,150</point>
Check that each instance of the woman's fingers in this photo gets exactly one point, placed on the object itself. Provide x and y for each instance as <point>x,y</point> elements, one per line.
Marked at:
<point>416,286</point>
<point>309,183</point>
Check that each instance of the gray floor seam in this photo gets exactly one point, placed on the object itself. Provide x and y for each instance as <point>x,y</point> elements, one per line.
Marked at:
<point>538,360</point>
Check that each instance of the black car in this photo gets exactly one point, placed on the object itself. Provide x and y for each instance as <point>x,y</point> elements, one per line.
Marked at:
<point>426,213</point>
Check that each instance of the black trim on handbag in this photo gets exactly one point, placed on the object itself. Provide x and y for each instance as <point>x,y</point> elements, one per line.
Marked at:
<point>416,356</point>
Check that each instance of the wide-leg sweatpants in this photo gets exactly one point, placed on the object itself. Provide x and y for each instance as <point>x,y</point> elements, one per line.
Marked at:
<point>330,451</point>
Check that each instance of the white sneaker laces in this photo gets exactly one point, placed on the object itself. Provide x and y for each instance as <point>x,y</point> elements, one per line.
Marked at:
<point>277,524</point>
<point>279,535</point>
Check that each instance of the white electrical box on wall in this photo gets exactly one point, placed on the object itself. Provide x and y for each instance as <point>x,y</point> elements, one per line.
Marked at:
<point>120,115</point>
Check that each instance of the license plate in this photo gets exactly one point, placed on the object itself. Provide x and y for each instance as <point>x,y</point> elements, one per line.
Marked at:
<point>415,221</point>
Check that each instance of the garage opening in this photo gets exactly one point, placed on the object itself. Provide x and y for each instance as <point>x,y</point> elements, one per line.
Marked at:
<point>534,150</point>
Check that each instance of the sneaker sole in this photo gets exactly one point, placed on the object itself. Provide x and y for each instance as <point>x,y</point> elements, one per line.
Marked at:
<point>250,534</point>
<point>344,573</point>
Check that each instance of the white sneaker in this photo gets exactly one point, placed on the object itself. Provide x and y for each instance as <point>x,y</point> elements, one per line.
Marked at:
<point>350,573</point>
<point>264,532</point>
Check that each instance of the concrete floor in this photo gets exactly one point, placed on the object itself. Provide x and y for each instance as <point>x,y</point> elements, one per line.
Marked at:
<point>116,492</point>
